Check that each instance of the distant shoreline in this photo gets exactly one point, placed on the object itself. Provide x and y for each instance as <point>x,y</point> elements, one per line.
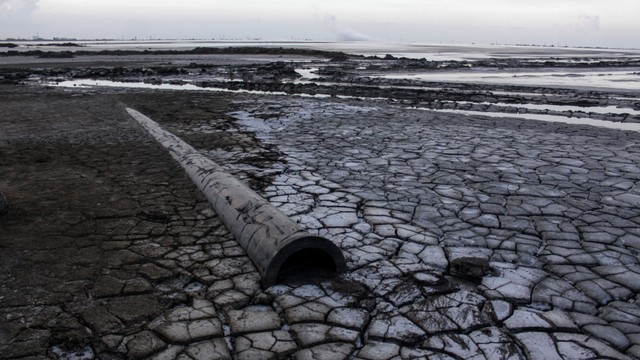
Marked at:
<point>49,42</point>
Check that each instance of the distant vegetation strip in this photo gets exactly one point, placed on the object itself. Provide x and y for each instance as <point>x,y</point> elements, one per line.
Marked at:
<point>244,50</point>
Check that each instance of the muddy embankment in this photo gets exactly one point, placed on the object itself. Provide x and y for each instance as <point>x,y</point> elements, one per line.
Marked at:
<point>341,75</point>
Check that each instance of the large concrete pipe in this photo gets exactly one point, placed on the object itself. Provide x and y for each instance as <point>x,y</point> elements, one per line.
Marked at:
<point>273,241</point>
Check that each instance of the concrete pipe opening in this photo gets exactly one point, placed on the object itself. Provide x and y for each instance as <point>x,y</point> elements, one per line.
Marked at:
<point>305,258</point>
<point>274,242</point>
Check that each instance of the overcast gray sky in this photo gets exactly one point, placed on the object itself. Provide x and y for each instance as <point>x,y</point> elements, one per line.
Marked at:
<point>612,23</point>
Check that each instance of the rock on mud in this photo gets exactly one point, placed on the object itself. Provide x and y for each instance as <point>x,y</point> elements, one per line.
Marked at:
<point>4,204</point>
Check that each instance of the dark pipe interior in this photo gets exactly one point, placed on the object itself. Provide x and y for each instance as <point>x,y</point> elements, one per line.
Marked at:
<point>305,264</point>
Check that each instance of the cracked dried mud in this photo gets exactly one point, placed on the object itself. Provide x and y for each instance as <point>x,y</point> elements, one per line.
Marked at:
<point>466,237</point>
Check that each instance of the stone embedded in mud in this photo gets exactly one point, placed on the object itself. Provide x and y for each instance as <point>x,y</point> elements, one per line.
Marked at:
<point>4,204</point>
<point>470,262</point>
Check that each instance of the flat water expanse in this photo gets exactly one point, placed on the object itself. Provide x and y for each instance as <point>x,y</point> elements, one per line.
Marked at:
<point>627,79</point>
<point>442,52</point>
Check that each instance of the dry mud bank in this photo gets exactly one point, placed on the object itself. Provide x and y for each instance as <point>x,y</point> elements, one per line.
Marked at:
<point>466,236</point>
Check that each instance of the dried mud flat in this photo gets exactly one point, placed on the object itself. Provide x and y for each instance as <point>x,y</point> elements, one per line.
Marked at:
<point>466,237</point>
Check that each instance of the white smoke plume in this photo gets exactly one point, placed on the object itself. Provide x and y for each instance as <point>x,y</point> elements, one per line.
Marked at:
<point>344,33</point>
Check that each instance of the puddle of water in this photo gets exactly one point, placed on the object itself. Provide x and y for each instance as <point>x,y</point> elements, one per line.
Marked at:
<point>548,118</point>
<point>517,93</point>
<point>190,87</point>
<point>619,80</point>
<point>85,83</point>
<point>308,74</point>
<point>624,98</point>
<point>140,85</point>
<point>84,353</point>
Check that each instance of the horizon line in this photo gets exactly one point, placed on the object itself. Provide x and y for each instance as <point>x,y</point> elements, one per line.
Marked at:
<point>260,40</point>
